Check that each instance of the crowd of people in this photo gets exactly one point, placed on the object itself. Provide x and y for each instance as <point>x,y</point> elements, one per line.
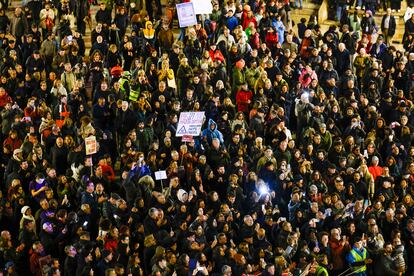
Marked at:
<point>304,164</point>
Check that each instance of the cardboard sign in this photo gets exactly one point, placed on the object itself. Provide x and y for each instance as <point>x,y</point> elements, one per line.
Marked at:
<point>186,14</point>
<point>202,6</point>
<point>90,145</point>
<point>160,175</point>
<point>190,124</point>
<point>187,138</point>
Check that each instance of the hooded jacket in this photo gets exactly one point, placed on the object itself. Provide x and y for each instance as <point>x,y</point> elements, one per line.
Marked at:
<point>180,195</point>
<point>210,134</point>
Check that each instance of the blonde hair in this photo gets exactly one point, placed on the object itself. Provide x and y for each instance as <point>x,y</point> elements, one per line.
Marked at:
<point>113,47</point>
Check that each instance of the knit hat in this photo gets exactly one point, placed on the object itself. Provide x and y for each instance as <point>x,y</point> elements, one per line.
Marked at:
<point>180,195</point>
<point>24,209</point>
<point>17,151</point>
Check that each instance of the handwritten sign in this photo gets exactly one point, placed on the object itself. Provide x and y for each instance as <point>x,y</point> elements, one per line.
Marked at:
<point>160,175</point>
<point>186,14</point>
<point>90,145</point>
<point>190,123</point>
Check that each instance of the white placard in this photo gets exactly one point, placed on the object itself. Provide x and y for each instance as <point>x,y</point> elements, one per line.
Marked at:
<point>186,14</point>
<point>160,175</point>
<point>90,145</point>
<point>190,123</point>
<point>202,6</point>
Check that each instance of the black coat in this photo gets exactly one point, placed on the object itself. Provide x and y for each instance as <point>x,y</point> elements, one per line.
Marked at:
<point>70,266</point>
<point>126,121</point>
<point>385,266</point>
<point>392,25</point>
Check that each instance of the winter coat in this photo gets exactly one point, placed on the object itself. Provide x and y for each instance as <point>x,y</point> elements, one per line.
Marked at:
<point>210,134</point>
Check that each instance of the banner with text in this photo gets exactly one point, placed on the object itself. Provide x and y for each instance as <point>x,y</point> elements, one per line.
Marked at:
<point>190,123</point>
<point>186,14</point>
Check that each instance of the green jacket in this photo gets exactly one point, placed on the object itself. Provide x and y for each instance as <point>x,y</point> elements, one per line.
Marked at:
<point>238,79</point>
<point>184,76</point>
<point>252,74</point>
<point>326,140</point>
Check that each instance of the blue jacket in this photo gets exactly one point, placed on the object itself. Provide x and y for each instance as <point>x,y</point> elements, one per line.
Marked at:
<point>232,23</point>
<point>381,50</point>
<point>210,134</point>
<point>351,259</point>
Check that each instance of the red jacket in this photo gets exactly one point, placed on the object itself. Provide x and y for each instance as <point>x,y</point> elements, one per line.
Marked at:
<point>111,245</point>
<point>271,39</point>
<point>306,47</point>
<point>108,172</point>
<point>338,253</point>
<point>35,268</point>
<point>242,100</point>
<point>216,55</point>
<point>29,112</point>
<point>5,99</point>
<point>246,21</point>
<point>375,171</point>
<point>16,143</point>
<point>255,40</point>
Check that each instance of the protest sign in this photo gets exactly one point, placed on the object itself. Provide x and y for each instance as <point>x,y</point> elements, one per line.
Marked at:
<point>190,123</point>
<point>202,6</point>
<point>186,14</point>
<point>90,145</point>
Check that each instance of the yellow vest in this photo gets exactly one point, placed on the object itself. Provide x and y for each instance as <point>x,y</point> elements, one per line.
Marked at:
<point>321,271</point>
<point>133,95</point>
<point>358,258</point>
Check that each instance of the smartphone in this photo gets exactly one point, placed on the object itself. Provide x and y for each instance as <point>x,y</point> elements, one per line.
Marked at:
<point>85,224</point>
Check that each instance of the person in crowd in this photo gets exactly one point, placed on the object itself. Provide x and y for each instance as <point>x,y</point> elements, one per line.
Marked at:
<point>245,145</point>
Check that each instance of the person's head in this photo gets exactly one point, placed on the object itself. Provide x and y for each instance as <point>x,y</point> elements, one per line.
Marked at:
<point>358,242</point>
<point>48,227</point>
<point>268,152</point>
<point>90,187</point>
<point>375,161</point>
<point>226,270</point>
<point>37,247</point>
<point>389,214</point>
<point>124,106</point>
<point>5,235</point>
<point>215,143</point>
